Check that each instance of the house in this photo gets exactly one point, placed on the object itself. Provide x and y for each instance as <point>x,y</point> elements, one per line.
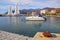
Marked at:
<point>53,11</point>
<point>57,10</point>
<point>43,11</point>
<point>48,11</point>
<point>33,13</point>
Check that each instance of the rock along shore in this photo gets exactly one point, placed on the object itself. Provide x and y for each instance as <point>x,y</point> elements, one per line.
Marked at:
<point>11,36</point>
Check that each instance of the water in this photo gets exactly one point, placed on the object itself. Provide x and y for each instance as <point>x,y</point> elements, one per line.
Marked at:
<point>29,28</point>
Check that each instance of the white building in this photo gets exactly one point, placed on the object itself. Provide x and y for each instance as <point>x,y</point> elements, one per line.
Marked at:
<point>53,11</point>
<point>43,11</point>
<point>10,11</point>
<point>16,10</point>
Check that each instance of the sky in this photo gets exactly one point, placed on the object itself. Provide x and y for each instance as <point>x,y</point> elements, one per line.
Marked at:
<point>28,4</point>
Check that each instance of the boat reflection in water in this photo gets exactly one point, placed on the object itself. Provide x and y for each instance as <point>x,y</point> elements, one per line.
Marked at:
<point>34,23</point>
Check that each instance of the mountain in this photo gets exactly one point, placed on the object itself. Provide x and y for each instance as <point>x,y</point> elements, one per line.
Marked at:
<point>24,11</point>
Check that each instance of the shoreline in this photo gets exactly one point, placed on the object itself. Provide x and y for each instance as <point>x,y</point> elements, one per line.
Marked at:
<point>11,36</point>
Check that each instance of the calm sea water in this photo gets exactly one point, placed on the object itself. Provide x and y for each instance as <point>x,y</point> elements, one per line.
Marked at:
<point>29,28</point>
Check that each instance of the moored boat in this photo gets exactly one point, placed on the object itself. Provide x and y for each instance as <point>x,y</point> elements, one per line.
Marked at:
<point>35,18</point>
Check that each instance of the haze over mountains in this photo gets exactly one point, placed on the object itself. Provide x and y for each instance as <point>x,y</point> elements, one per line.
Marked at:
<point>24,11</point>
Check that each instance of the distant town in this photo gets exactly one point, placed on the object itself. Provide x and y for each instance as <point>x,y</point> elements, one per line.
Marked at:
<point>43,11</point>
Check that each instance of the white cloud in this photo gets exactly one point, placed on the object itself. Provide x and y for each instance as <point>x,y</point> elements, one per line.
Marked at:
<point>30,2</point>
<point>27,3</point>
<point>15,1</point>
<point>4,4</point>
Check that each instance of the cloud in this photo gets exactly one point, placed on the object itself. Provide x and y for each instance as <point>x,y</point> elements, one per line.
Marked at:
<point>31,3</point>
<point>26,4</point>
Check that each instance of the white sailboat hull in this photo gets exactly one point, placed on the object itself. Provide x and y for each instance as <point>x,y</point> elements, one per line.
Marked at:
<point>36,18</point>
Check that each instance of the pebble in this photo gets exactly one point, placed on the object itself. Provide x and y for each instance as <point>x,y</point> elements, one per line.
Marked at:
<point>11,36</point>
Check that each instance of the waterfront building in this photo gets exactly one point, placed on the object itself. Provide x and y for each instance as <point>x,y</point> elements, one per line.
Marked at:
<point>16,10</point>
<point>48,11</point>
<point>33,13</point>
<point>10,11</point>
<point>43,11</point>
<point>52,11</point>
<point>57,10</point>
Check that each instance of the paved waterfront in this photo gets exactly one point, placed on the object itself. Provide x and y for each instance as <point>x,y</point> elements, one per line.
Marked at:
<point>39,36</point>
<point>11,36</point>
